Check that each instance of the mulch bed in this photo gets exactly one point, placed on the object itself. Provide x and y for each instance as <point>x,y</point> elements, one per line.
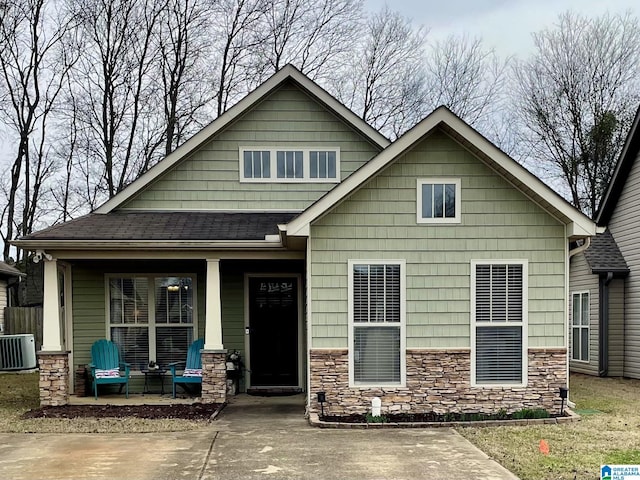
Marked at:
<point>194,411</point>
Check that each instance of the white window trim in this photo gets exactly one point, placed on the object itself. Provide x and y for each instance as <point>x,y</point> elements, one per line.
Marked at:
<point>274,168</point>
<point>152,304</point>
<point>524,324</point>
<point>352,324</point>
<point>587,326</point>
<point>438,181</point>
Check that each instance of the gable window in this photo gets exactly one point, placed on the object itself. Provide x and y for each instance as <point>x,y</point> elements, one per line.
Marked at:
<point>322,164</point>
<point>438,200</point>
<point>152,318</point>
<point>376,343</point>
<point>580,326</point>
<point>499,313</point>
<point>257,164</point>
<point>290,165</point>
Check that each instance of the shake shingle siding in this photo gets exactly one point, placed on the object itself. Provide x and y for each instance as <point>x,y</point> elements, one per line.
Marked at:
<point>210,178</point>
<point>378,222</point>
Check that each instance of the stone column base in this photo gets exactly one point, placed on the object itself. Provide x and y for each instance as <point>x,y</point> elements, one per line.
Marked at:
<point>214,376</point>
<point>54,378</point>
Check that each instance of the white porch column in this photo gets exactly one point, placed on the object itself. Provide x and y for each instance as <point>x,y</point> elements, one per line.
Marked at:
<point>213,314</point>
<point>51,333</point>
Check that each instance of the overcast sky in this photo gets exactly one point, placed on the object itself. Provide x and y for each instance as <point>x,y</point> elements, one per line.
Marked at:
<point>505,25</point>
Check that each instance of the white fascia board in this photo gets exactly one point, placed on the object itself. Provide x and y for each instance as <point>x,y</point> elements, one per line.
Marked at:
<point>232,114</point>
<point>31,245</point>
<point>584,226</point>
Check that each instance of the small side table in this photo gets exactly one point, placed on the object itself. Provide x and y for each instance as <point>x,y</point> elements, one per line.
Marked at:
<point>158,372</point>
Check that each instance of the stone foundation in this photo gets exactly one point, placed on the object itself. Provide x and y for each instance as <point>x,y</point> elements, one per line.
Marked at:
<point>438,381</point>
<point>54,378</point>
<point>214,376</point>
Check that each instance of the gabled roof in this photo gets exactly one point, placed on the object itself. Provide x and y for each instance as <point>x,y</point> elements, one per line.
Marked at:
<point>287,73</point>
<point>623,168</point>
<point>578,224</point>
<point>604,256</point>
<point>169,227</point>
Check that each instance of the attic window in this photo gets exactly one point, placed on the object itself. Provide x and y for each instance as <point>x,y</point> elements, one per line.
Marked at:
<point>290,165</point>
<point>438,200</point>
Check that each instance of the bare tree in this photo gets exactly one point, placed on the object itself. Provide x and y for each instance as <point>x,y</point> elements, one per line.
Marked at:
<point>34,64</point>
<point>466,77</point>
<point>238,31</point>
<point>116,89</point>
<point>385,80</point>
<point>314,35</point>
<point>576,97</point>
<point>182,39</point>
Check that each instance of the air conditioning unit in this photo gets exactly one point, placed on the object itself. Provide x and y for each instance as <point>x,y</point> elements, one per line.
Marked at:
<point>17,352</point>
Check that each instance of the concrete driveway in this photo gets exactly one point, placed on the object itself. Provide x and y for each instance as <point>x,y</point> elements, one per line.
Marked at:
<point>254,438</point>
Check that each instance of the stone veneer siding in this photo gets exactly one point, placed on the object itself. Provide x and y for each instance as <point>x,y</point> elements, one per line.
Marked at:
<point>438,381</point>
<point>54,378</point>
<point>214,377</point>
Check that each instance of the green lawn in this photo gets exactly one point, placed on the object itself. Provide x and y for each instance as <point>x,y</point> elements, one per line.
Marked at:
<point>576,450</point>
<point>19,393</point>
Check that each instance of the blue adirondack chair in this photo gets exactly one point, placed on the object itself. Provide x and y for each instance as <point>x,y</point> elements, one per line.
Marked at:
<point>105,361</point>
<point>192,365</point>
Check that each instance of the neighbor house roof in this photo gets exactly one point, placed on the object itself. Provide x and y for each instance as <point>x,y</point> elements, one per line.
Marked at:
<point>7,270</point>
<point>604,256</point>
<point>620,174</point>
<point>578,224</point>
<point>155,227</point>
<point>287,73</point>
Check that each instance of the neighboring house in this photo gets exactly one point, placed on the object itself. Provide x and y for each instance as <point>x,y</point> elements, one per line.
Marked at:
<point>8,273</point>
<point>605,278</point>
<point>430,272</point>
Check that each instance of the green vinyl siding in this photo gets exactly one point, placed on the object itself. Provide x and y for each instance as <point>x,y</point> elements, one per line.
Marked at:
<point>379,222</point>
<point>210,178</point>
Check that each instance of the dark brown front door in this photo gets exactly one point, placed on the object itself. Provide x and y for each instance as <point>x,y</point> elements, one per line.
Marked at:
<point>273,322</point>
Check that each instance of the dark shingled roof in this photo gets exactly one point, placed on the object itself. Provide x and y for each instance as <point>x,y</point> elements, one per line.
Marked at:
<point>603,255</point>
<point>185,226</point>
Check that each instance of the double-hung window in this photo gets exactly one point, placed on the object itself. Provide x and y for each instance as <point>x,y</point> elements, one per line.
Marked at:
<point>499,319</point>
<point>438,200</point>
<point>376,334</point>
<point>152,317</point>
<point>289,165</point>
<point>580,326</point>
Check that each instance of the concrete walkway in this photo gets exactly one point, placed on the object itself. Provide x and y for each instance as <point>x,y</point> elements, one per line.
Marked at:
<point>253,438</point>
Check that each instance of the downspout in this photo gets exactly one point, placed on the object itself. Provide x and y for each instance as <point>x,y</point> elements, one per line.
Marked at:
<point>603,325</point>
<point>581,248</point>
<point>571,253</point>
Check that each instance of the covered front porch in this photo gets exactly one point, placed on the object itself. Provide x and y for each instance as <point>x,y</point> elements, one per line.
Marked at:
<point>154,305</point>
